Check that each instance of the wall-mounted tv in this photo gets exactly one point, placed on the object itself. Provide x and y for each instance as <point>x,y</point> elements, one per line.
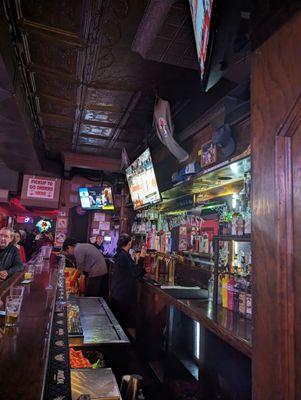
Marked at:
<point>142,181</point>
<point>201,13</point>
<point>96,198</point>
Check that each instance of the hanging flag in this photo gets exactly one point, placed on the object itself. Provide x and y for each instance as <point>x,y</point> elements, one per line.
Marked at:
<point>164,129</point>
<point>125,161</point>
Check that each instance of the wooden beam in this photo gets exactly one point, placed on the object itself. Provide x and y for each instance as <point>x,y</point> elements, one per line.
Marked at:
<point>59,117</point>
<point>87,161</point>
<point>116,86</point>
<point>88,135</point>
<point>63,131</point>
<point>42,69</point>
<point>99,123</point>
<point>55,99</point>
<point>96,107</point>
<point>68,37</point>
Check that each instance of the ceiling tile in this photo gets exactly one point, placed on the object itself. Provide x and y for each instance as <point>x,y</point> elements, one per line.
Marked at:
<point>102,116</point>
<point>95,130</point>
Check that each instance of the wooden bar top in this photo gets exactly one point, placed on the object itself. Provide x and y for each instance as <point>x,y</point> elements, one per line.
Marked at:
<point>226,324</point>
<point>23,349</point>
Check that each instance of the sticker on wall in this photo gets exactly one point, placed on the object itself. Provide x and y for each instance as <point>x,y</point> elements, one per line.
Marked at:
<point>43,225</point>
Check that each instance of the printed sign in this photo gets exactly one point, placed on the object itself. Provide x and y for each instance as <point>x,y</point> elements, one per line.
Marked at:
<point>105,226</point>
<point>62,222</point>
<point>40,188</point>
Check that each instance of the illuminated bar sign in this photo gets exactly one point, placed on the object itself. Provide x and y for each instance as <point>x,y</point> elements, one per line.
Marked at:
<point>40,191</point>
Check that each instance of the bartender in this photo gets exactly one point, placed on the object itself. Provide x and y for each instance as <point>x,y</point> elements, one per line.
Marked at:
<point>10,260</point>
<point>91,262</point>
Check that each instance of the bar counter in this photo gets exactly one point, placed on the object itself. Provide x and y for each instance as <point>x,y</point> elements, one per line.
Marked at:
<point>225,324</point>
<point>23,349</point>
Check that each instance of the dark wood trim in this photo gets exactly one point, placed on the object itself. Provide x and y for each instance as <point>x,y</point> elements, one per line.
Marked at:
<point>55,99</point>
<point>238,343</point>
<point>88,135</point>
<point>43,70</point>
<point>284,266</point>
<point>46,32</point>
<point>91,162</point>
<point>97,107</point>
<point>27,23</point>
<point>59,117</point>
<point>99,123</point>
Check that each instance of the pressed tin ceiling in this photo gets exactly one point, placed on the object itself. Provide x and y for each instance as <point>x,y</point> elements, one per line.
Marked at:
<point>92,93</point>
<point>90,89</point>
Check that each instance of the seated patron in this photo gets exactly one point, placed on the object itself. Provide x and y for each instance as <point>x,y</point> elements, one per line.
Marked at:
<point>10,260</point>
<point>16,242</point>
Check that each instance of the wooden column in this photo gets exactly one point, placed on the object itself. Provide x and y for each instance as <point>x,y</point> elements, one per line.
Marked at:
<point>276,149</point>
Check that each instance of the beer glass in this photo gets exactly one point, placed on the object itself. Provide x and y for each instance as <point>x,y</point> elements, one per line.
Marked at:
<point>12,306</point>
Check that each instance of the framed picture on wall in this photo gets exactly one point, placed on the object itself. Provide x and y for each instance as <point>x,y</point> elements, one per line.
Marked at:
<point>208,154</point>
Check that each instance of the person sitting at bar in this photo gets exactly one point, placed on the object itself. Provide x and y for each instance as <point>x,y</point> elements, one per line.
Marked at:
<point>91,262</point>
<point>126,272</point>
<point>16,242</point>
<point>10,260</point>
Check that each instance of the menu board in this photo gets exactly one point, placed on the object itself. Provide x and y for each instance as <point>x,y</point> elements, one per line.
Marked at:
<point>142,181</point>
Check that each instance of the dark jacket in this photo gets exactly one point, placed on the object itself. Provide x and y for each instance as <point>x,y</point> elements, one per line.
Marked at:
<point>10,260</point>
<point>124,278</point>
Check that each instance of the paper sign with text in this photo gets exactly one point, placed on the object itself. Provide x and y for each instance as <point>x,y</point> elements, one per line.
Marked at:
<point>40,188</point>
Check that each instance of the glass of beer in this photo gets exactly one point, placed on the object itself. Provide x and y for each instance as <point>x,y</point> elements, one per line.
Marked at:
<point>17,291</point>
<point>29,273</point>
<point>12,306</point>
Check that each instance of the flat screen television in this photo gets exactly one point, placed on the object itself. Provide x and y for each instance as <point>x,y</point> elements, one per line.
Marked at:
<point>96,198</point>
<point>142,181</point>
<point>201,13</point>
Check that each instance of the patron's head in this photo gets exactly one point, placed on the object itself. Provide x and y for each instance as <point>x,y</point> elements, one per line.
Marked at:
<point>69,245</point>
<point>6,237</point>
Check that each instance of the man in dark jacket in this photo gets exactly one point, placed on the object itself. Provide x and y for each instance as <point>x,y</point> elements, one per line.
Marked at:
<point>10,260</point>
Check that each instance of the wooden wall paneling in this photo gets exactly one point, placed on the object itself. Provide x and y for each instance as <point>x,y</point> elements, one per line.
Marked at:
<point>276,197</point>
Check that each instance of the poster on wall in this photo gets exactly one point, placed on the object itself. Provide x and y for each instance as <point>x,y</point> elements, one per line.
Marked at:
<point>105,226</point>
<point>59,238</point>
<point>99,217</point>
<point>40,188</point>
<point>62,223</point>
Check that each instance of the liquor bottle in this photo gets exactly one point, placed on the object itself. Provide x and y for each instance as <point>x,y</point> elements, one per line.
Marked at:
<point>249,303</point>
<point>236,291</point>
<point>230,299</point>
<point>242,299</point>
<point>219,290</point>
<point>225,281</point>
<point>210,288</point>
